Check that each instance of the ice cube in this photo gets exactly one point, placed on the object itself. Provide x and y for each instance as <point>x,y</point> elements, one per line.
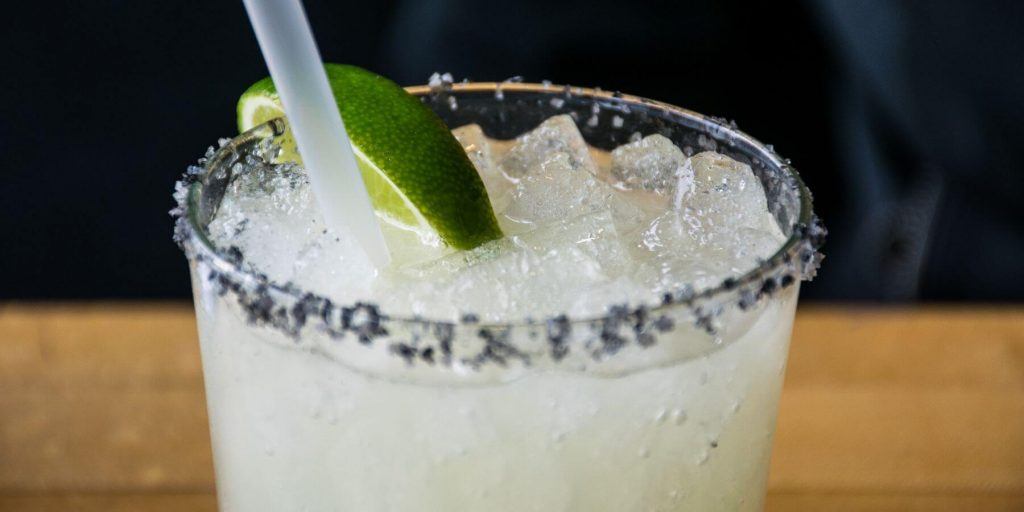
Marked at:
<point>725,192</point>
<point>628,210</point>
<point>557,190</point>
<point>478,148</point>
<point>560,261</point>
<point>700,247</point>
<point>594,235</point>
<point>719,227</point>
<point>652,163</point>
<point>554,175</point>
<point>752,245</point>
<point>557,135</point>
<point>675,250</point>
<point>673,273</point>
<point>535,273</point>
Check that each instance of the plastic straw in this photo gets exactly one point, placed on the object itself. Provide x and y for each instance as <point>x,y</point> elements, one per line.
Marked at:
<point>288,47</point>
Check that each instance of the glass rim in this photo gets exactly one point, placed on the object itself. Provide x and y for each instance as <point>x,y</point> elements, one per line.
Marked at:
<point>797,255</point>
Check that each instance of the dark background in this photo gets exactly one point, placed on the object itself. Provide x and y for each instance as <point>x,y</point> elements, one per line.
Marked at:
<point>905,118</point>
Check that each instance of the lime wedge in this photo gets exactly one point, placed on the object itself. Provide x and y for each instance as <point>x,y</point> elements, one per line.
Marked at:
<point>418,176</point>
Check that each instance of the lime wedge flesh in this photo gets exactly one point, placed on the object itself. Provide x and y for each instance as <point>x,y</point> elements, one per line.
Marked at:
<point>417,174</point>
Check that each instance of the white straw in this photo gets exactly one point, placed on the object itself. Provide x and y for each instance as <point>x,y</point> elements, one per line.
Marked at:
<point>291,54</point>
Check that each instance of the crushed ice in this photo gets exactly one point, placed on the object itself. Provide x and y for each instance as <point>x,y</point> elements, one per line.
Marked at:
<point>585,230</point>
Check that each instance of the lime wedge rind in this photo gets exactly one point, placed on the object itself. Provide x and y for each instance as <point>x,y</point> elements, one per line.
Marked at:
<point>418,177</point>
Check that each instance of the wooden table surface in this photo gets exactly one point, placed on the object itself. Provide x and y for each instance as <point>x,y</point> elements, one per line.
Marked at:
<point>101,409</point>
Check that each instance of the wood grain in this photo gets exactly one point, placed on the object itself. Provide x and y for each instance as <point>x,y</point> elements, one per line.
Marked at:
<point>101,408</point>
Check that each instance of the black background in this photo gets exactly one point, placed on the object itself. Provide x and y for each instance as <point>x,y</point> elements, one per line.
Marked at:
<point>905,118</point>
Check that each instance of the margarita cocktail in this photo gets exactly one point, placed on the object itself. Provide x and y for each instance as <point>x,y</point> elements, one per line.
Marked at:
<point>616,343</point>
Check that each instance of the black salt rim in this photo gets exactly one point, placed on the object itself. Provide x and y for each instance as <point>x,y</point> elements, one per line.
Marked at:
<point>290,309</point>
